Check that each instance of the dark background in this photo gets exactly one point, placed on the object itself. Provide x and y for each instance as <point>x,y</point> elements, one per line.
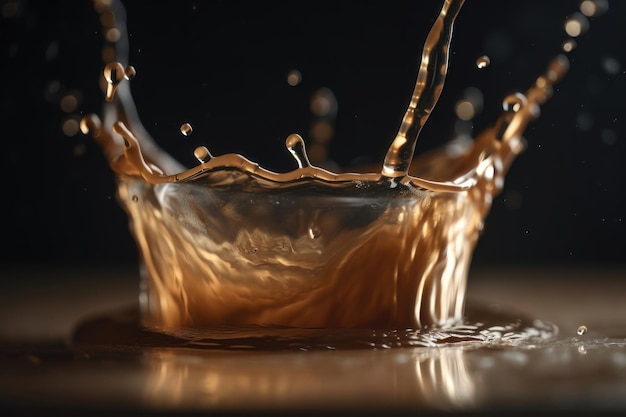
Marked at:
<point>222,67</point>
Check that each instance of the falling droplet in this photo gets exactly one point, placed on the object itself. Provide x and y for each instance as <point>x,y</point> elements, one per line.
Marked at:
<point>576,25</point>
<point>186,129</point>
<point>69,102</point>
<point>294,77</point>
<point>70,126</point>
<point>113,74</point>
<point>324,103</point>
<point>202,154</point>
<point>130,72</point>
<point>581,330</point>
<point>569,45</point>
<point>593,8</point>
<point>483,62</point>
<point>295,145</point>
<point>113,35</point>
<point>470,104</point>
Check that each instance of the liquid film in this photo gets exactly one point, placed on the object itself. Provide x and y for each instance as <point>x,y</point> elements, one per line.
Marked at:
<point>227,244</point>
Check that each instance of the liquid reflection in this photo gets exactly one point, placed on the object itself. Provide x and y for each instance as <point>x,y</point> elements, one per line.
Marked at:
<point>416,379</point>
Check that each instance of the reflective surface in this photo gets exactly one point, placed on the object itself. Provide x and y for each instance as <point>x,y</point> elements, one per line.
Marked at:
<point>45,365</point>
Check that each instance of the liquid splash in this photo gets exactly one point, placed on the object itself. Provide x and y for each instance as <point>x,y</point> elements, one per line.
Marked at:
<point>228,244</point>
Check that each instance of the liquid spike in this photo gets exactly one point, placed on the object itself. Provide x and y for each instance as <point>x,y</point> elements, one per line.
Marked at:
<point>295,145</point>
<point>430,81</point>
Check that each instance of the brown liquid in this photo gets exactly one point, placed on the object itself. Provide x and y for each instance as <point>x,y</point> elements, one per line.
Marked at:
<point>228,243</point>
<point>482,326</point>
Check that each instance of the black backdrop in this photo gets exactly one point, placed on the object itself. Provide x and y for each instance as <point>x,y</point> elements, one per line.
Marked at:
<point>222,67</point>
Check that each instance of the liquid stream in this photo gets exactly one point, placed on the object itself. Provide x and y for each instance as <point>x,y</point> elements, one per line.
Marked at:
<point>233,253</point>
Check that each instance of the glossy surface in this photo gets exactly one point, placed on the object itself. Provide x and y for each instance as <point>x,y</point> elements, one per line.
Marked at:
<point>43,368</point>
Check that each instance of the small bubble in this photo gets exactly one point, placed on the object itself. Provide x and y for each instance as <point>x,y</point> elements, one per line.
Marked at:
<point>249,250</point>
<point>582,350</point>
<point>294,77</point>
<point>483,62</point>
<point>186,129</point>
<point>581,330</point>
<point>135,198</point>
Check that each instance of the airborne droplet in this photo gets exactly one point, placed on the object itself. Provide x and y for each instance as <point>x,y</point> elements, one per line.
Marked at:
<point>470,104</point>
<point>130,72</point>
<point>323,103</point>
<point>576,25</point>
<point>113,74</point>
<point>186,129</point>
<point>70,126</point>
<point>594,8</point>
<point>581,330</point>
<point>294,77</point>
<point>113,35</point>
<point>483,62</point>
<point>569,45</point>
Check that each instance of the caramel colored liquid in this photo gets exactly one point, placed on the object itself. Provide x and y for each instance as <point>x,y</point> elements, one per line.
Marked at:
<point>229,243</point>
